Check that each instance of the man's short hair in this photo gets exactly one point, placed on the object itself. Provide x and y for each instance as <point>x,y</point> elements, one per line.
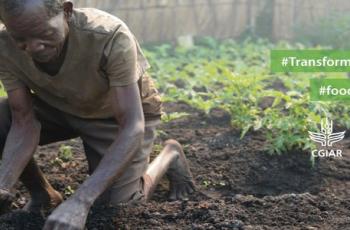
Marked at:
<point>14,7</point>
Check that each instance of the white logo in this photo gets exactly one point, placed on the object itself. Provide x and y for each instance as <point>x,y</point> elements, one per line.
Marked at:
<point>326,137</point>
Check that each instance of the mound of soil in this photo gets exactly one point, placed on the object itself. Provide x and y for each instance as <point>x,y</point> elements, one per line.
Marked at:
<point>21,220</point>
<point>239,185</point>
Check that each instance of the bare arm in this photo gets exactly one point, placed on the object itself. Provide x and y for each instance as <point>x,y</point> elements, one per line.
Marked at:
<point>22,139</point>
<point>129,115</point>
<point>72,214</point>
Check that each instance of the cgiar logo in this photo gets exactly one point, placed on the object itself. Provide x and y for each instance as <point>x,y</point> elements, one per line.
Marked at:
<point>327,138</point>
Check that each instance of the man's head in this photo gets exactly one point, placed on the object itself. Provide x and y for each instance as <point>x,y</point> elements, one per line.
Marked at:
<point>39,27</point>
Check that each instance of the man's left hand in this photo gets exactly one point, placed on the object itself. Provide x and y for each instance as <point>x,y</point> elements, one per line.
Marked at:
<point>70,215</point>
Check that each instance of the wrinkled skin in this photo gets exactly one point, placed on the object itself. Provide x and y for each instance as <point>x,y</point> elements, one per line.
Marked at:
<point>40,36</point>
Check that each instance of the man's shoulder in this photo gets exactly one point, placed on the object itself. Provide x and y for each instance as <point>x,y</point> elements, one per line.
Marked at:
<point>94,20</point>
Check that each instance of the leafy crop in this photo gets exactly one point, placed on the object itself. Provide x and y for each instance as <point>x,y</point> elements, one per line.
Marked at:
<point>68,191</point>
<point>236,77</point>
<point>65,153</point>
<point>167,117</point>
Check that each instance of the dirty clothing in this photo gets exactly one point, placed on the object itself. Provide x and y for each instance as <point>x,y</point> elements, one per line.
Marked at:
<point>77,102</point>
<point>97,135</point>
<point>101,53</point>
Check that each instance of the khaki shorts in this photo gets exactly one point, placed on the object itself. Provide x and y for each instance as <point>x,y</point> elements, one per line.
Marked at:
<point>97,135</point>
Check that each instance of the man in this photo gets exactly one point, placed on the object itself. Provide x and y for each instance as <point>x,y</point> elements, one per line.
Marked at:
<point>79,73</point>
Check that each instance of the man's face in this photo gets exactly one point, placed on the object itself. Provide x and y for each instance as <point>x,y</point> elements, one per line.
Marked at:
<point>33,31</point>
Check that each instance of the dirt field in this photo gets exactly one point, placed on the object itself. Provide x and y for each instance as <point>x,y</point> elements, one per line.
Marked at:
<point>239,186</point>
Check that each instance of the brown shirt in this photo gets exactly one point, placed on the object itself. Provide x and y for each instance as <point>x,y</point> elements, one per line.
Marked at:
<point>101,53</point>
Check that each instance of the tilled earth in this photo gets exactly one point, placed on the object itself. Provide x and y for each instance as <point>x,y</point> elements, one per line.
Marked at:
<point>239,185</point>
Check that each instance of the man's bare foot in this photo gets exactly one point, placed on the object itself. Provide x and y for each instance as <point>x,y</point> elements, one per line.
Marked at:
<point>40,202</point>
<point>6,199</point>
<point>179,174</point>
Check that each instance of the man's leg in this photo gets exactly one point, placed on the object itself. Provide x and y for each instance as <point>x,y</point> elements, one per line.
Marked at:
<point>172,162</point>
<point>41,192</point>
<point>140,179</point>
<point>97,136</point>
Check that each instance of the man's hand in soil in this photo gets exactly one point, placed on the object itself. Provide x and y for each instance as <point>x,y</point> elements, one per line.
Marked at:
<point>70,215</point>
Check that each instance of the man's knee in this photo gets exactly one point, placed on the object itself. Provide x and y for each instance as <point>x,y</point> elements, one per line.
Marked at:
<point>5,121</point>
<point>129,193</point>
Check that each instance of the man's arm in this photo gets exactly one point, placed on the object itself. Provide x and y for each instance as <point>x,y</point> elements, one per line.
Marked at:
<point>129,115</point>
<point>127,107</point>
<point>22,140</point>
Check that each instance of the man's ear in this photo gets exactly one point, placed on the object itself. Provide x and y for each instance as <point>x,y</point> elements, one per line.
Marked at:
<point>68,9</point>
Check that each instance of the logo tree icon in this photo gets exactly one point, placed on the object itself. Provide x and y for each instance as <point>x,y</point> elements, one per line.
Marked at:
<point>326,136</point>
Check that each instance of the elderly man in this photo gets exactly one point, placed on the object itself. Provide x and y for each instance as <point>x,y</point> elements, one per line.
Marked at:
<point>79,73</point>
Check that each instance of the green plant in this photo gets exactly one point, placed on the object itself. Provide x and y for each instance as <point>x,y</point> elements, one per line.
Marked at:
<point>168,117</point>
<point>236,77</point>
<point>68,191</point>
<point>65,153</point>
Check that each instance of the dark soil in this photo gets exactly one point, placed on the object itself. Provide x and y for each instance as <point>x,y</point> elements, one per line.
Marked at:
<point>239,185</point>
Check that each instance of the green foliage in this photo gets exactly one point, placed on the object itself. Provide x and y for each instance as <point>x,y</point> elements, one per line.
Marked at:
<point>167,117</point>
<point>68,191</point>
<point>332,30</point>
<point>65,153</point>
<point>236,77</point>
